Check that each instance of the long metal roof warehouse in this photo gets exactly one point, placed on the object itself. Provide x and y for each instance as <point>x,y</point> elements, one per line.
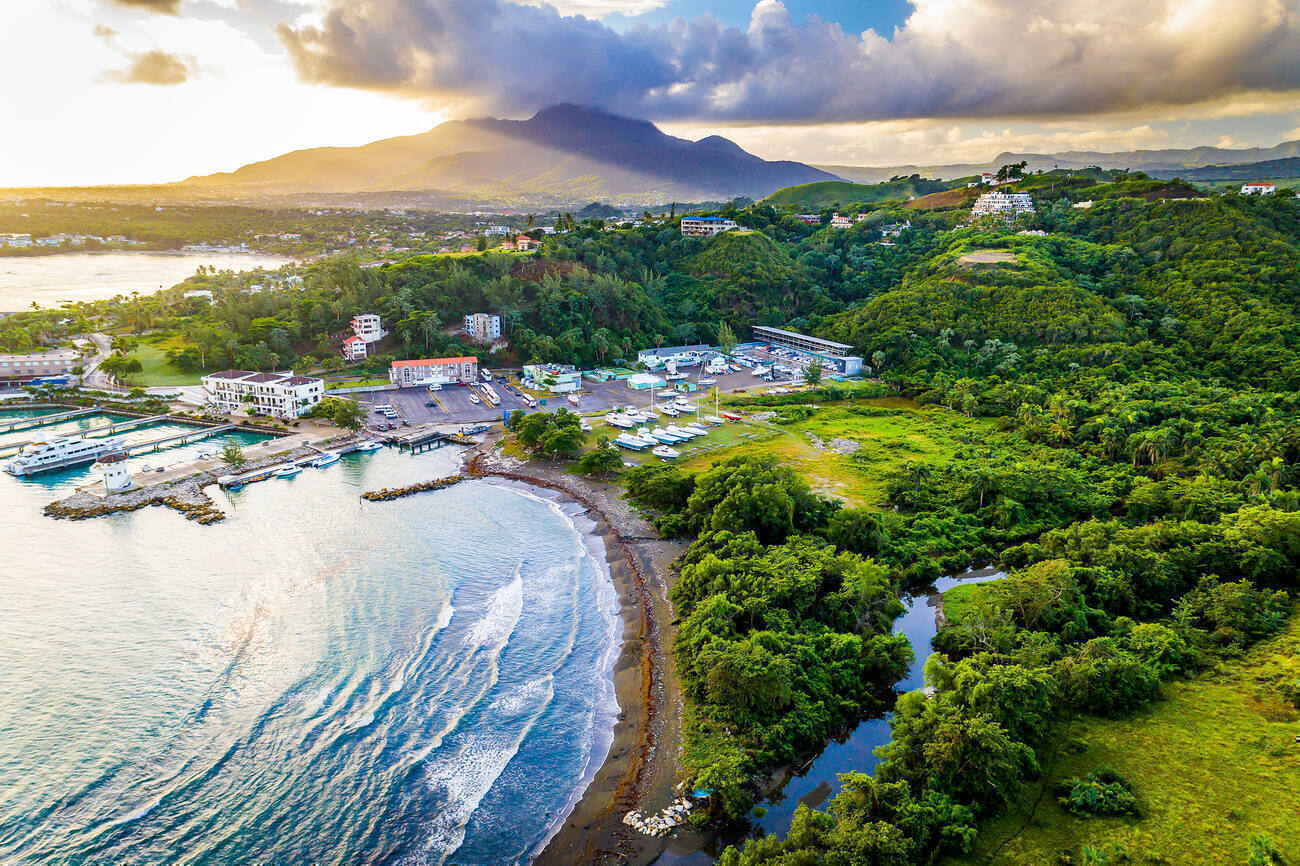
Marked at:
<point>801,341</point>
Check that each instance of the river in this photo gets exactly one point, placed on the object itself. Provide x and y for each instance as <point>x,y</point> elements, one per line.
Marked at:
<point>317,679</point>
<point>53,279</point>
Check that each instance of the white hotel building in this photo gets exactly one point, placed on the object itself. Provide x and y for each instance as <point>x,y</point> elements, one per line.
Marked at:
<point>369,327</point>
<point>280,395</point>
<point>1006,205</point>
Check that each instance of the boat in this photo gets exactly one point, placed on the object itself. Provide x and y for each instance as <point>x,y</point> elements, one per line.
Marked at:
<point>665,452</point>
<point>474,398</point>
<point>731,416</point>
<point>685,431</point>
<point>708,381</point>
<point>669,411</point>
<point>632,443</point>
<point>326,460</point>
<point>698,427</point>
<point>287,471</point>
<point>574,399</point>
<point>369,445</point>
<point>60,452</point>
<point>668,438</point>
<point>714,420</point>
<point>618,419</point>
<point>584,425</point>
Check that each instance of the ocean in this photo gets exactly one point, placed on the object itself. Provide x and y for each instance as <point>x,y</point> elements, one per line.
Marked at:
<point>318,679</point>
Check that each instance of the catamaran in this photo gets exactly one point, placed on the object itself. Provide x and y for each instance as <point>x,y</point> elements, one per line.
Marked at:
<point>59,452</point>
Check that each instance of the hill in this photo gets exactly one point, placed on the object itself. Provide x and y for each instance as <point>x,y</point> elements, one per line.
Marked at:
<point>1166,162</point>
<point>837,193</point>
<point>1246,171</point>
<point>561,156</point>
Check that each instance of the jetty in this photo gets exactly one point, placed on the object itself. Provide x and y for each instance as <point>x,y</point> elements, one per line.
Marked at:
<point>424,438</point>
<point>102,430</point>
<point>177,439</point>
<point>44,420</point>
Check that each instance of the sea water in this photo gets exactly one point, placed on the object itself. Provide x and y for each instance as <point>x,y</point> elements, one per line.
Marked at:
<point>318,679</point>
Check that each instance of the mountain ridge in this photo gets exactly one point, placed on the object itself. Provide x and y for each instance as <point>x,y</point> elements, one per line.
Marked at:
<point>583,153</point>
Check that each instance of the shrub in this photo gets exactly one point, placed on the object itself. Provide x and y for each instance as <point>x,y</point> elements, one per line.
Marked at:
<point>1101,792</point>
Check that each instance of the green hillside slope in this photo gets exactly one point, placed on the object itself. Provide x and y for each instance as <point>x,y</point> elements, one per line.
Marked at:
<point>834,193</point>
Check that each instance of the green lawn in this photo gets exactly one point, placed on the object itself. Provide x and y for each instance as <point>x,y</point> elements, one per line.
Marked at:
<point>889,432</point>
<point>1213,765</point>
<point>157,371</point>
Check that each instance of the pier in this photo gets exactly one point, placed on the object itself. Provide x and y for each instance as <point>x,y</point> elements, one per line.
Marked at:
<point>421,440</point>
<point>105,429</point>
<point>43,420</point>
<point>177,439</point>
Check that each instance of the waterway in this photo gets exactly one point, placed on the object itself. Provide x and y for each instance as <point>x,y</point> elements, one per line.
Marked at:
<point>317,679</point>
<point>817,783</point>
<point>51,280</point>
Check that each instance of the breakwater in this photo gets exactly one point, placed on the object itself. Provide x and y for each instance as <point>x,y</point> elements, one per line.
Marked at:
<point>184,495</point>
<point>389,493</point>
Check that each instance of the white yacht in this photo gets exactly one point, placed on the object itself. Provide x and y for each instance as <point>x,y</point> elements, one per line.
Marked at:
<point>58,452</point>
<point>665,453</point>
<point>618,419</point>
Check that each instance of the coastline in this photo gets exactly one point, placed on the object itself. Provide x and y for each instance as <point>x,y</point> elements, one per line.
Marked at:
<point>640,769</point>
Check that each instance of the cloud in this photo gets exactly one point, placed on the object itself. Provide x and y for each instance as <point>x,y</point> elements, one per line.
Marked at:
<point>599,8</point>
<point>153,67</point>
<point>950,59</point>
<point>165,7</point>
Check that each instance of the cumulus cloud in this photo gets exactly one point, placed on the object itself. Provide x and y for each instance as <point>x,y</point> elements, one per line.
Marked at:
<point>599,8</point>
<point>166,7</point>
<point>153,67</point>
<point>950,59</point>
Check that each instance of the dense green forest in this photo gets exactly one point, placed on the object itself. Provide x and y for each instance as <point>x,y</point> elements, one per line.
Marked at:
<point>1139,365</point>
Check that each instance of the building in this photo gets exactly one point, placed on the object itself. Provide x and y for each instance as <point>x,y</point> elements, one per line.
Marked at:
<point>1003,205</point>
<point>280,395</point>
<point>840,222</point>
<point>433,371</point>
<point>808,219</point>
<point>557,378</point>
<point>524,243</point>
<point>706,227</point>
<point>894,230</point>
<point>497,230</point>
<point>25,366</point>
<point>369,327</point>
<point>642,381</point>
<point>14,239</point>
<point>483,327</point>
<point>354,348</point>
<point>835,354</point>
<point>1258,188</point>
<point>682,356</point>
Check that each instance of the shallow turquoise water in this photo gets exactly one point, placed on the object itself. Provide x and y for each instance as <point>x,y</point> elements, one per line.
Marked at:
<point>316,680</point>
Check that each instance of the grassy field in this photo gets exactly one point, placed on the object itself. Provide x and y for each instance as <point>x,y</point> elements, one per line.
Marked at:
<point>889,433</point>
<point>1213,765</point>
<point>157,370</point>
<point>961,599</point>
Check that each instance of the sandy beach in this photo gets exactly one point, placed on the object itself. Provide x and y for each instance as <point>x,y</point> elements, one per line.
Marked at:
<point>640,771</point>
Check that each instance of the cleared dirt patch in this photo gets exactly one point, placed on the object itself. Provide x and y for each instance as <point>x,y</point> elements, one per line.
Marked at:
<point>988,257</point>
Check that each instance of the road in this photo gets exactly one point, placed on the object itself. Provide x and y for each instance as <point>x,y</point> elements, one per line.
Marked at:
<point>94,377</point>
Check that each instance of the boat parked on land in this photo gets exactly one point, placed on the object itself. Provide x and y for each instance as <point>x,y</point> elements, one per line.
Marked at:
<point>618,419</point>
<point>670,411</point>
<point>666,453</point>
<point>630,442</point>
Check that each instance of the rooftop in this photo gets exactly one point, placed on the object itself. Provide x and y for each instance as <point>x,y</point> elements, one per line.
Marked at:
<point>428,362</point>
<point>795,335</point>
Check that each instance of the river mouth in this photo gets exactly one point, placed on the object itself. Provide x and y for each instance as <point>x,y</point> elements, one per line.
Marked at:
<point>316,679</point>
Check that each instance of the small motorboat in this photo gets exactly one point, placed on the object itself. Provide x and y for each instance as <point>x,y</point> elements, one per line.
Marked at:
<point>584,426</point>
<point>369,445</point>
<point>325,460</point>
<point>665,452</point>
<point>670,411</point>
<point>714,420</point>
<point>574,399</point>
<point>287,471</point>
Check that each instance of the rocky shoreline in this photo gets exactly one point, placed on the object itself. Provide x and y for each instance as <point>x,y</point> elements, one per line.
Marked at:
<point>639,774</point>
<point>389,493</point>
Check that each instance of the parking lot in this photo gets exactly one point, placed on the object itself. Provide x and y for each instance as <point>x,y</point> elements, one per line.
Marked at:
<point>451,404</point>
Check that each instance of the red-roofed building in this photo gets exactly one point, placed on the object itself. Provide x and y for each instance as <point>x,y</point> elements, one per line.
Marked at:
<point>354,348</point>
<point>433,371</point>
<point>524,243</point>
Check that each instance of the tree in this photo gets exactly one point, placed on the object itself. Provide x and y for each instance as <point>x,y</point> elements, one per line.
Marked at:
<point>602,461</point>
<point>233,455</point>
<point>348,414</point>
<point>812,374</point>
<point>726,338</point>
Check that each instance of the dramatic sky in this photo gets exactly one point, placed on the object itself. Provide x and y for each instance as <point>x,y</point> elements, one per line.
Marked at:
<point>117,91</point>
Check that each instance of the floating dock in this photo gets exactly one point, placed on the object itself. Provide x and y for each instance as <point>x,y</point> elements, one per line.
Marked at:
<point>44,420</point>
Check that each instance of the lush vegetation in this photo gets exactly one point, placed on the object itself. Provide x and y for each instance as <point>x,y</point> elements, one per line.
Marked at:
<point>842,194</point>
